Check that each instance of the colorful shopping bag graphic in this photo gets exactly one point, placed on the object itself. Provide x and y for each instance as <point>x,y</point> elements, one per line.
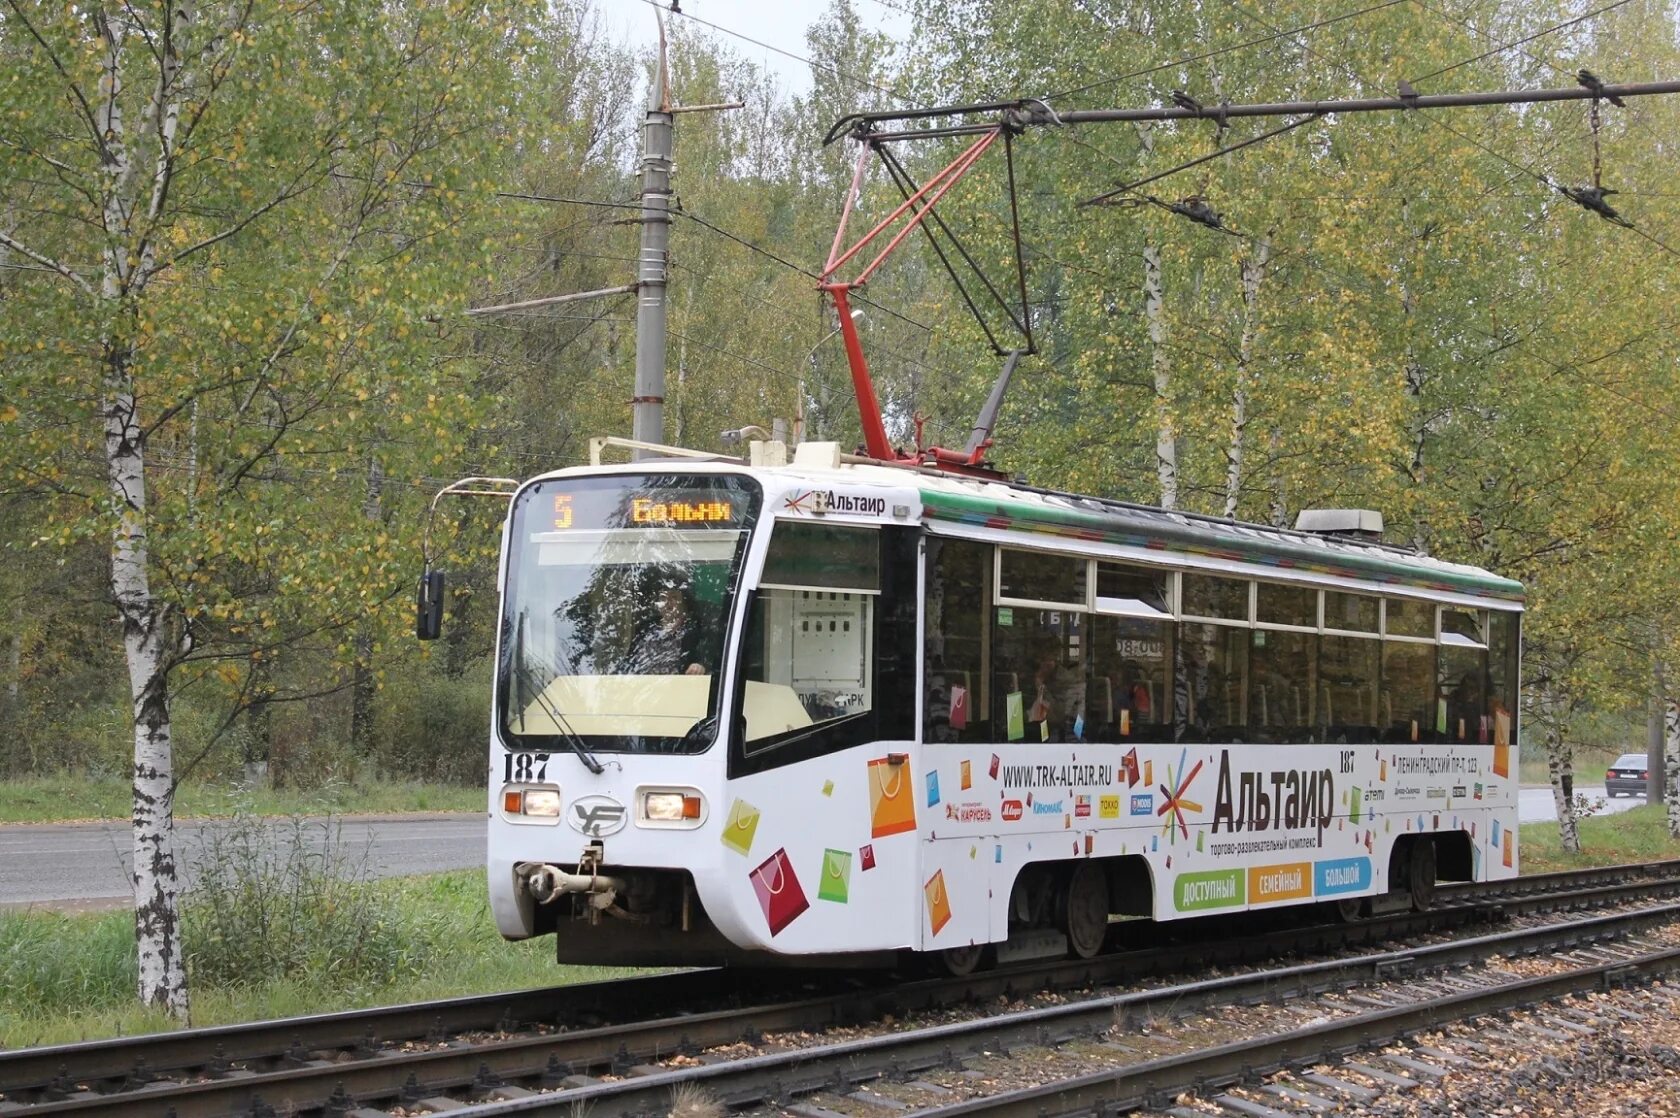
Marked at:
<point>967,775</point>
<point>1130,764</point>
<point>1502,759</point>
<point>836,876</point>
<point>1016,716</point>
<point>1149,774</point>
<point>779,893</point>
<point>1505,848</point>
<point>938,903</point>
<point>933,787</point>
<point>959,708</point>
<point>1353,805</point>
<point>993,770</point>
<point>892,811</point>
<point>866,855</point>
<point>740,827</point>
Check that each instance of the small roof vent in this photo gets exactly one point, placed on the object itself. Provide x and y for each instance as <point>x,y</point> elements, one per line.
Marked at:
<point>1353,524</point>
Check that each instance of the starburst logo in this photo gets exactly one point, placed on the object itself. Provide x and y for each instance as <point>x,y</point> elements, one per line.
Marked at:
<point>1174,798</point>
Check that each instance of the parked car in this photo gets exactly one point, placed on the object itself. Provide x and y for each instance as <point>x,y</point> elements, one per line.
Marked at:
<point>1627,775</point>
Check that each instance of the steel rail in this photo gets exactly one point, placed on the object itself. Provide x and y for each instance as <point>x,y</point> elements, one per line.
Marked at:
<point>104,1064</point>
<point>775,1078</point>
<point>305,1081</point>
<point>1116,1090</point>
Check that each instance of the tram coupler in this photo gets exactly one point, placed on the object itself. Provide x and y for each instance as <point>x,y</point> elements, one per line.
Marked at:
<point>546,883</point>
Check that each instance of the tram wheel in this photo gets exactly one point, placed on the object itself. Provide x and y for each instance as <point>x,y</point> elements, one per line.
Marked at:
<point>1085,910</point>
<point>1422,875</point>
<point>959,962</point>
<point>1350,909</point>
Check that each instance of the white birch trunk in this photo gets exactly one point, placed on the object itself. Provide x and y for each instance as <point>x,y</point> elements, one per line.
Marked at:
<point>145,625</point>
<point>1671,764</point>
<point>1253,271</point>
<point>1166,441</point>
<point>1559,766</point>
<point>1277,510</point>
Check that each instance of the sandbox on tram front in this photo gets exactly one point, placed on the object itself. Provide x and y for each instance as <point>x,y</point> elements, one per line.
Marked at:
<point>832,712</point>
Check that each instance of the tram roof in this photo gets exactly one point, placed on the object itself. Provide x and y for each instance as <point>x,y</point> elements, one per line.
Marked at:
<point>1022,508</point>
<point>1012,506</point>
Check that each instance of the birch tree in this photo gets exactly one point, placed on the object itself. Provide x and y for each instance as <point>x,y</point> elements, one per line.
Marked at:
<point>223,202</point>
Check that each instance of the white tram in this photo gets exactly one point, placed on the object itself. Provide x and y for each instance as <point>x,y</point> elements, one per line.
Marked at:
<point>832,710</point>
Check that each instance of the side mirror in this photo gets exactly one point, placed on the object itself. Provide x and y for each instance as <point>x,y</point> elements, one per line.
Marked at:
<point>428,621</point>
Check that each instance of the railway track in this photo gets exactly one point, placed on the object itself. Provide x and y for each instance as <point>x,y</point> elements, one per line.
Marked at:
<point>597,1045</point>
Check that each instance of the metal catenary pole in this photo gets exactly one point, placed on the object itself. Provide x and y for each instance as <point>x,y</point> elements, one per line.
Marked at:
<point>647,406</point>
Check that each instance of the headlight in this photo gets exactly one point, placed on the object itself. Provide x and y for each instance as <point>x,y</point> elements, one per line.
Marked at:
<point>542,801</point>
<point>671,807</point>
<point>531,805</point>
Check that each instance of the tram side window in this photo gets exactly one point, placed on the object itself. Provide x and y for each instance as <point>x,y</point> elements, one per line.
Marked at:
<point>811,640</point>
<point>1129,692</point>
<point>1283,685</point>
<point>1502,677</point>
<point>1408,694</point>
<point>1463,694</point>
<point>1211,683</point>
<point>1207,596</point>
<point>1038,673</point>
<point>958,609</point>
<point>1349,686</point>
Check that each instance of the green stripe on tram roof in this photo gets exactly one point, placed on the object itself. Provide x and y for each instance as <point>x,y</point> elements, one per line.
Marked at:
<point>1157,532</point>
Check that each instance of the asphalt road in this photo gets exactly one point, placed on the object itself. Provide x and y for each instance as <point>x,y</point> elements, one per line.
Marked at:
<point>1535,805</point>
<point>86,865</point>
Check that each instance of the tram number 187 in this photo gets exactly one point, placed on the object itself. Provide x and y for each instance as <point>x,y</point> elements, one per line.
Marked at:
<point>525,768</point>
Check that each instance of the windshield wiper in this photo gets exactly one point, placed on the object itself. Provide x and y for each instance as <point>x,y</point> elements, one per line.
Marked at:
<point>524,673</point>
<point>566,733</point>
<point>697,733</point>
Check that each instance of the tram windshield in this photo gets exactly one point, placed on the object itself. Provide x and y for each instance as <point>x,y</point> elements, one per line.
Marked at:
<point>616,611</point>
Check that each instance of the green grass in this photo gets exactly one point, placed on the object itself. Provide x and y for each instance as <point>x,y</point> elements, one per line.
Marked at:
<point>1636,835</point>
<point>51,995</point>
<point>1590,761</point>
<point>62,799</point>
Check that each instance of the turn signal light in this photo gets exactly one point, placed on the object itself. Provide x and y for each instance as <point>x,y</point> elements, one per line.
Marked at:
<point>513,803</point>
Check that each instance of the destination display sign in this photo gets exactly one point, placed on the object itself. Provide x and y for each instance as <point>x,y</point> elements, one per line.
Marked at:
<point>589,506</point>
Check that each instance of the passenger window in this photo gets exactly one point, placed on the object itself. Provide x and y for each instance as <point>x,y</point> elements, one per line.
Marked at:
<point>1133,591</point>
<point>957,703</point>
<point>1038,674</point>
<point>1463,627</point>
<point>1356,613</point>
<point>1408,694</point>
<point>1283,688</point>
<point>1405,617</point>
<point>1463,695</point>
<point>1129,692</point>
<point>1502,676</point>
<point>1211,690</point>
<point>1027,576</point>
<point>1206,596</point>
<point>1286,605</point>
<point>1349,692</point>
